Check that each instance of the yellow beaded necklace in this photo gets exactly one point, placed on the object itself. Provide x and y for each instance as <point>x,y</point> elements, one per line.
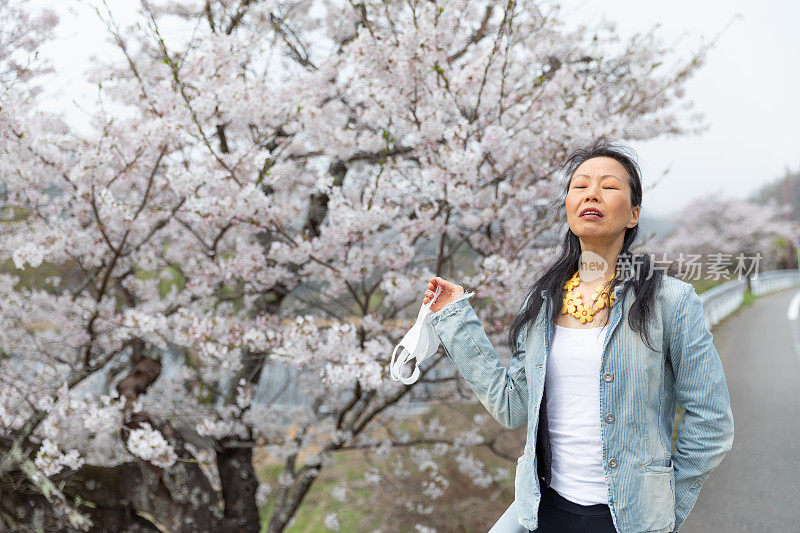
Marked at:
<point>573,302</point>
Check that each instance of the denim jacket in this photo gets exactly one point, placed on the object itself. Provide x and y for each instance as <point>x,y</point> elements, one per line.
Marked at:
<point>650,488</point>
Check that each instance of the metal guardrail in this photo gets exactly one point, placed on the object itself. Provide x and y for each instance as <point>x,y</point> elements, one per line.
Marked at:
<point>774,280</point>
<point>722,300</point>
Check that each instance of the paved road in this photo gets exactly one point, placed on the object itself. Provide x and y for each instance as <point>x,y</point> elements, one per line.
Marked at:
<point>757,485</point>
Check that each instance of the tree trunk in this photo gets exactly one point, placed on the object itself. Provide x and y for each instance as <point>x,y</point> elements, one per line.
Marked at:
<point>239,484</point>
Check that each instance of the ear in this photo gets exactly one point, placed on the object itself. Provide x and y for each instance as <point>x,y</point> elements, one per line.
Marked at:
<point>634,216</point>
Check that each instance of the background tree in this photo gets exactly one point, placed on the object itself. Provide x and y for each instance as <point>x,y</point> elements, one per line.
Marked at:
<point>279,189</point>
<point>721,230</point>
<point>776,190</point>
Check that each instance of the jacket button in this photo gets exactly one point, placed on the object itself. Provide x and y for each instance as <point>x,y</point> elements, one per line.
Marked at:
<point>610,418</point>
<point>608,377</point>
<point>612,463</point>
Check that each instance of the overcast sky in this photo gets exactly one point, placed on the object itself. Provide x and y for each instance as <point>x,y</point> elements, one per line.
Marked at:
<point>748,89</point>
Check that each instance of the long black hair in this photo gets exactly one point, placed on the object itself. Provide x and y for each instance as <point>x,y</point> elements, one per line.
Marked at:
<point>636,269</point>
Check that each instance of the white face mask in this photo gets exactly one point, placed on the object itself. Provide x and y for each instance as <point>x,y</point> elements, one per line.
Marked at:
<point>419,343</point>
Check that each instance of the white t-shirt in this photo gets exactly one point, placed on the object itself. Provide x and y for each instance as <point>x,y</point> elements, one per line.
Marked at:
<point>573,414</point>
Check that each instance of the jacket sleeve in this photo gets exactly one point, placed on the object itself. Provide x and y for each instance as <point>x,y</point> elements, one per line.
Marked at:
<point>503,392</point>
<point>705,434</point>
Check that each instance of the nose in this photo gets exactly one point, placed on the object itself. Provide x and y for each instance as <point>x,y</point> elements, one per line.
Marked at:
<point>591,192</point>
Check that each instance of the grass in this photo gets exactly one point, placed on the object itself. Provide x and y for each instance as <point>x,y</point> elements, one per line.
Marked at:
<point>318,502</point>
<point>463,506</point>
<point>748,298</point>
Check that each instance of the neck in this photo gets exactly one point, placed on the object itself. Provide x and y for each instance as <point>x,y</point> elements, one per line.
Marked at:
<point>608,251</point>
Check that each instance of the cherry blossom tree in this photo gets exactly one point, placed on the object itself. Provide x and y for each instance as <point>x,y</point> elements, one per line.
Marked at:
<point>728,238</point>
<point>282,184</point>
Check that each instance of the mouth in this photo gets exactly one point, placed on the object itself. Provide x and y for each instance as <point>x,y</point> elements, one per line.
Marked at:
<point>591,212</point>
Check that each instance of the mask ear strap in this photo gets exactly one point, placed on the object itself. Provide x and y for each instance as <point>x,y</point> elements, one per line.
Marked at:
<point>395,369</point>
<point>412,378</point>
<point>435,295</point>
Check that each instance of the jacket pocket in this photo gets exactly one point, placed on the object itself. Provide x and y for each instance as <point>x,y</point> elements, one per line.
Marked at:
<point>658,495</point>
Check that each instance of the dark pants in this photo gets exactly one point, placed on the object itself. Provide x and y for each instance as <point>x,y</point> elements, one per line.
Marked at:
<point>559,515</point>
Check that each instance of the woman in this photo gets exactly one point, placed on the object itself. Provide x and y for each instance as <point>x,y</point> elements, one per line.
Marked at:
<point>598,364</point>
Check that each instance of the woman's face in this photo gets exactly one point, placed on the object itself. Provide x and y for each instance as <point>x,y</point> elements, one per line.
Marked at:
<point>600,183</point>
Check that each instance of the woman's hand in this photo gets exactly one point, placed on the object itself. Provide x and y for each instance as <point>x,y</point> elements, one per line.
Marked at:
<point>450,292</point>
